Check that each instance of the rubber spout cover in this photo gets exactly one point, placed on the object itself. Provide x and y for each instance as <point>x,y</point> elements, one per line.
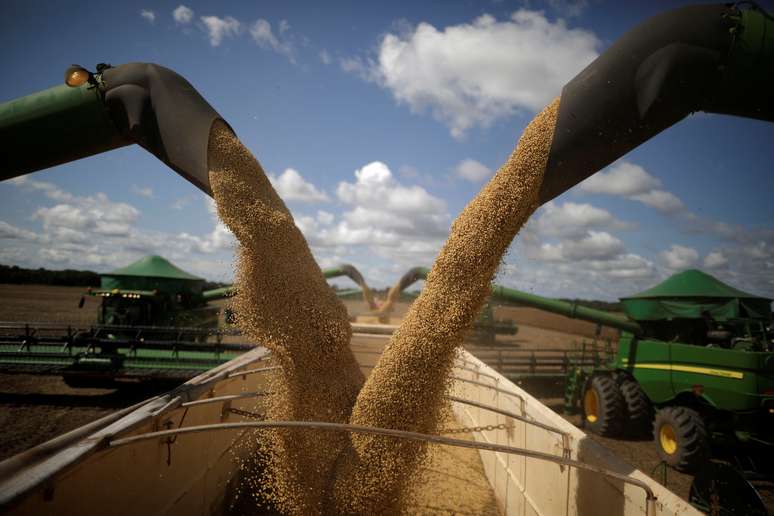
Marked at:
<point>656,74</point>
<point>160,110</point>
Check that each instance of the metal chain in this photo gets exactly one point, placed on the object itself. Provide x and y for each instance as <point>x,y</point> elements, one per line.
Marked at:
<point>471,429</point>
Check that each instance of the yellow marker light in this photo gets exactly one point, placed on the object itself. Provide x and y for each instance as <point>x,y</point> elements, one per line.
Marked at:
<point>76,76</point>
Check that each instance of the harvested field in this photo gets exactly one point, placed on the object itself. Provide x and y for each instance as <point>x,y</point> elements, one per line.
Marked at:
<point>34,409</point>
<point>46,303</point>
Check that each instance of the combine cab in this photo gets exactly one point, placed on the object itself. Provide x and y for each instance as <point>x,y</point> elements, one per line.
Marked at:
<point>153,292</point>
<point>154,324</point>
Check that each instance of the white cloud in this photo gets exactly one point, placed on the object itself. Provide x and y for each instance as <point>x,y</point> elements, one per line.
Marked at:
<point>264,37</point>
<point>291,186</point>
<point>622,178</point>
<point>472,170</point>
<point>595,245</point>
<point>325,57</point>
<point>475,73</point>
<point>355,65</point>
<point>573,219</point>
<point>49,189</point>
<point>716,260</point>
<point>607,278</point>
<point>181,202</point>
<point>148,15</point>
<point>10,232</point>
<point>98,233</point>
<point>142,191</point>
<point>625,266</point>
<point>376,187</point>
<point>629,180</point>
<point>679,257</point>
<point>384,219</point>
<point>182,14</point>
<point>325,218</point>
<point>96,214</point>
<point>220,28</point>
<point>283,26</point>
<point>661,200</point>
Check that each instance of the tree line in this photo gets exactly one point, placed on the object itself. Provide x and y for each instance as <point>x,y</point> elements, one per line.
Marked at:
<point>67,277</point>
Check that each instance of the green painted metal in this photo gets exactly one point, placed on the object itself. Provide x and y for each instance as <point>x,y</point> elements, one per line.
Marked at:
<point>351,293</point>
<point>333,272</point>
<point>556,306</point>
<point>54,126</point>
<point>752,52</point>
<point>218,293</point>
<point>132,358</point>
<point>572,310</point>
<point>691,294</point>
<point>152,273</point>
<point>154,267</point>
<point>729,379</point>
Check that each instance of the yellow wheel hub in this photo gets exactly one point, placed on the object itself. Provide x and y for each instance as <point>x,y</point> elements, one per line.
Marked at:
<point>667,438</point>
<point>591,405</point>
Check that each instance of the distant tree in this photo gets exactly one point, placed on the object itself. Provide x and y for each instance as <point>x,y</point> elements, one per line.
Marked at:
<point>606,306</point>
<point>211,285</point>
<point>41,276</point>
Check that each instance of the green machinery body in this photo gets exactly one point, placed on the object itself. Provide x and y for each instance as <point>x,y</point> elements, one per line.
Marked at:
<point>690,341</point>
<point>737,384</point>
<point>154,323</point>
<point>154,292</point>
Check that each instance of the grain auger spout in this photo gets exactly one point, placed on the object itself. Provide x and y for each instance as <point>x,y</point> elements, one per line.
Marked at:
<point>352,273</point>
<point>408,279</point>
<point>509,295</point>
<point>712,58</point>
<point>94,112</point>
<point>344,269</point>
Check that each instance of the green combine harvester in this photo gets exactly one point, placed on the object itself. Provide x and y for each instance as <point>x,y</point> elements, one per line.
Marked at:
<point>697,353</point>
<point>154,324</point>
<point>154,292</point>
<point>694,368</point>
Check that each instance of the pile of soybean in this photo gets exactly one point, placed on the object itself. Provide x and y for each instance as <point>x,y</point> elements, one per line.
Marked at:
<point>284,303</point>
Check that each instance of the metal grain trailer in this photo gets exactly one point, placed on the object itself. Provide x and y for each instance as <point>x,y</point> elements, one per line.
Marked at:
<point>179,453</point>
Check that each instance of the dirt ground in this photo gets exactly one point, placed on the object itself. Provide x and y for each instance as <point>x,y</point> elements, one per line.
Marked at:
<point>34,409</point>
<point>43,303</point>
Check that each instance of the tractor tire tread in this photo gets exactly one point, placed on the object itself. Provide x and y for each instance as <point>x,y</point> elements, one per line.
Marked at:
<point>638,408</point>
<point>691,434</point>
<point>612,417</point>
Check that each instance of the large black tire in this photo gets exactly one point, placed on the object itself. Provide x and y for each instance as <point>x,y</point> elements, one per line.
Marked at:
<point>604,410</point>
<point>681,438</point>
<point>638,408</point>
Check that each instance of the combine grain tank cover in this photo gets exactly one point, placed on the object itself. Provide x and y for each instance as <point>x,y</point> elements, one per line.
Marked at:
<point>689,294</point>
<point>152,273</point>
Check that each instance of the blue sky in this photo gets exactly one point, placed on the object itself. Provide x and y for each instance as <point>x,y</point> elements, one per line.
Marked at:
<point>378,121</point>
